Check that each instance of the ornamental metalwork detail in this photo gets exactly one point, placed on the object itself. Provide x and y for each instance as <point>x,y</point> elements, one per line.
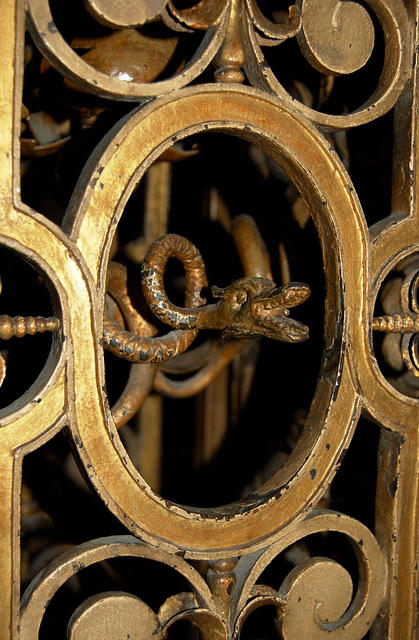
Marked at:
<point>148,150</point>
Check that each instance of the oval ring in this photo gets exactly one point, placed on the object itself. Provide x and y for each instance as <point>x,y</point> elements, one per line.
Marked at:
<point>279,130</point>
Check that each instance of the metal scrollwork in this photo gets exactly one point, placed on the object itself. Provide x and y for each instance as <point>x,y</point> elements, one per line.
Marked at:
<point>349,43</point>
<point>120,84</point>
<point>313,606</point>
<point>235,30</point>
<point>94,613</point>
<point>271,32</point>
<point>114,172</point>
<point>330,38</point>
<point>306,604</point>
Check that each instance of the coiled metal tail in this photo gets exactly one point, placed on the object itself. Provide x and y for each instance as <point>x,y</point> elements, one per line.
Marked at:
<point>20,326</point>
<point>149,349</point>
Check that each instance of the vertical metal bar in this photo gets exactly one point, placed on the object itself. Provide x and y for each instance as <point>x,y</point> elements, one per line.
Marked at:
<point>10,81</point>
<point>9,545</point>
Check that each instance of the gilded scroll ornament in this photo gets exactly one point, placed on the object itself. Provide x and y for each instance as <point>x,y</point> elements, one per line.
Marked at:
<point>234,33</point>
<point>271,32</point>
<point>335,22</point>
<point>350,38</point>
<point>316,599</point>
<point>60,54</point>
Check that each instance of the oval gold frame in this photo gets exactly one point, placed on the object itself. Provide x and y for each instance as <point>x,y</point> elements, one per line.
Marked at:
<point>113,171</point>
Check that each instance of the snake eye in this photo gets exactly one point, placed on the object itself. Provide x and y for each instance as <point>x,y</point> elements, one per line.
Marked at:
<point>241,297</point>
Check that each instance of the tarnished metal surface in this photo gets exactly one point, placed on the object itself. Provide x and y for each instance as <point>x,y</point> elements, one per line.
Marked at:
<point>99,199</point>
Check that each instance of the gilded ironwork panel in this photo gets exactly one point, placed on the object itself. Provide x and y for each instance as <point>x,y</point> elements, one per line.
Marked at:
<point>208,209</point>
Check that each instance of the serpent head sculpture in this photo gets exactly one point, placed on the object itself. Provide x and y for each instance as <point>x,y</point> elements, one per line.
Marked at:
<point>251,307</point>
<point>255,307</point>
